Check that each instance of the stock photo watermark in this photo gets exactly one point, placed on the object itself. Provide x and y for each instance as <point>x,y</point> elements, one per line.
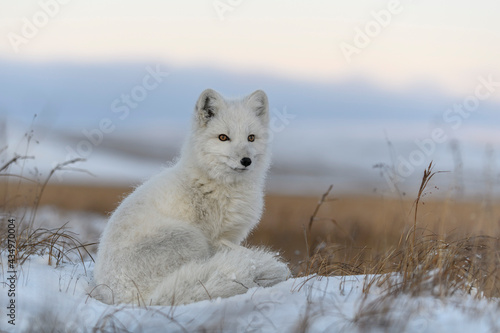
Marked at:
<point>11,271</point>
<point>363,37</point>
<point>453,118</point>
<point>280,119</point>
<point>32,25</point>
<point>121,107</point>
<point>222,7</point>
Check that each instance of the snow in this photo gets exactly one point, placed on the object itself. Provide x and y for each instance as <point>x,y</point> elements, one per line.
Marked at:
<point>57,298</point>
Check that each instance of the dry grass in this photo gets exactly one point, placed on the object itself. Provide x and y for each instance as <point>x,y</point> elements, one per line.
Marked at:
<point>422,262</point>
<point>57,243</point>
<point>367,226</point>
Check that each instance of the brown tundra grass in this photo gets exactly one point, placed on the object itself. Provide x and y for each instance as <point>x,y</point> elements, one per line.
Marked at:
<point>422,263</point>
<point>58,243</point>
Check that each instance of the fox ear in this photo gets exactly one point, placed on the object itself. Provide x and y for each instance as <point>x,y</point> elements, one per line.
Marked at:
<point>259,103</point>
<point>207,105</point>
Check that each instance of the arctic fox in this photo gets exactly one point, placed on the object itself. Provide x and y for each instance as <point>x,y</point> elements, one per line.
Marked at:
<point>176,238</point>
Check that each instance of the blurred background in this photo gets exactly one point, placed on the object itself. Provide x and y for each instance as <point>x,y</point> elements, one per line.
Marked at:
<point>364,94</point>
<point>351,86</point>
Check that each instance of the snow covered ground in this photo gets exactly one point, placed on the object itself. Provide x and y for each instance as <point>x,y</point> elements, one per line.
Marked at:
<point>55,299</point>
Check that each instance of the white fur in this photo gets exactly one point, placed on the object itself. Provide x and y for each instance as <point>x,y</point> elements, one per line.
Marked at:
<point>176,238</point>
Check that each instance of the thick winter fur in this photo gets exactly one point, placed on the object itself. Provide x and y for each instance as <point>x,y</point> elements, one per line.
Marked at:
<point>176,238</point>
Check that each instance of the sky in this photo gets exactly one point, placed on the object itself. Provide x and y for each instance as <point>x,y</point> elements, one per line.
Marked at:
<point>394,43</point>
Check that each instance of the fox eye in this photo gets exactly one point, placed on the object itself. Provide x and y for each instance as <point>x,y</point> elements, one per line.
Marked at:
<point>251,138</point>
<point>223,137</point>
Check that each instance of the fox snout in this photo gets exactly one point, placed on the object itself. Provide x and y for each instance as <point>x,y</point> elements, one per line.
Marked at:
<point>246,161</point>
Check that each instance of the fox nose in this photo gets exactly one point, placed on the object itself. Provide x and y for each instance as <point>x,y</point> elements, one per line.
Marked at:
<point>245,161</point>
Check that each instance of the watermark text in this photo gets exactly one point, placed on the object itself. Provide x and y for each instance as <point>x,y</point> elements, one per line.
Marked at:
<point>11,271</point>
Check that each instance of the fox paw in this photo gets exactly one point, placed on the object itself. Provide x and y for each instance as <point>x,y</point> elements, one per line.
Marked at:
<point>270,270</point>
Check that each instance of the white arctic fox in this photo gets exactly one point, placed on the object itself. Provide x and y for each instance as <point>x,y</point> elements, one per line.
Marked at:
<point>176,238</point>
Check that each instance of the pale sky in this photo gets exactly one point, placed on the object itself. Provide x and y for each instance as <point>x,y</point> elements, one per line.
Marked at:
<point>447,43</point>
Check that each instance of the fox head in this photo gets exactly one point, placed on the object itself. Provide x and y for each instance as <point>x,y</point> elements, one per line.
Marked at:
<point>230,137</point>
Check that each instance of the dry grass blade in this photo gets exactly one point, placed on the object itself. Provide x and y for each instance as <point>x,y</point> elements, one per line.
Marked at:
<point>14,160</point>
<point>323,199</point>
<point>17,176</point>
<point>58,167</point>
<point>57,243</point>
<point>318,206</point>
<point>428,174</point>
